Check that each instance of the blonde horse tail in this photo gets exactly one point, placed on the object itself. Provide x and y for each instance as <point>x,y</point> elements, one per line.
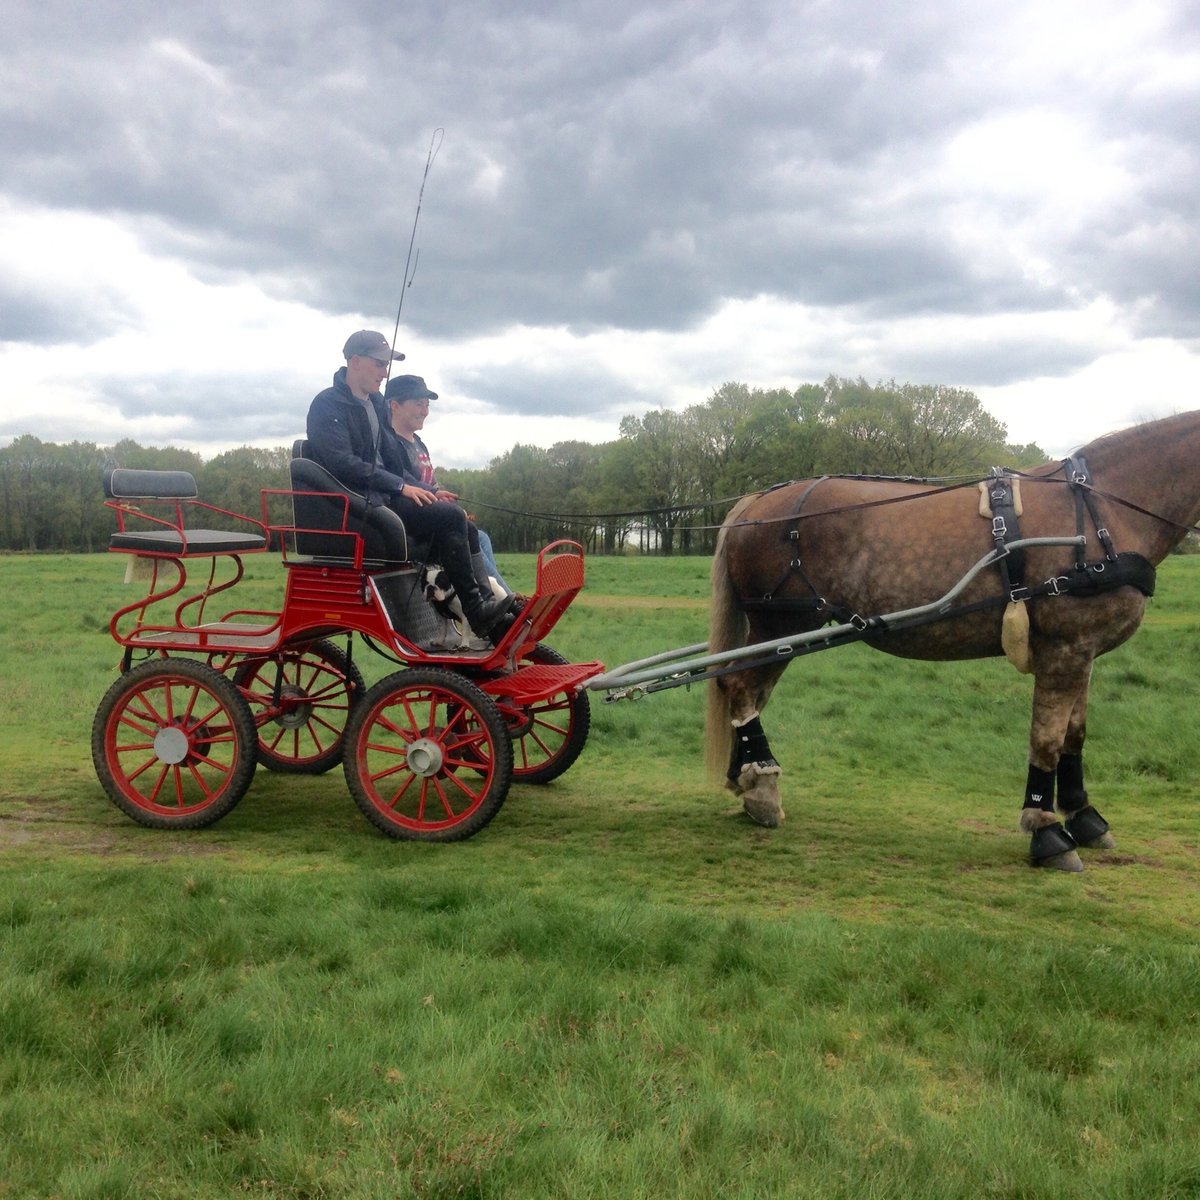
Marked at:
<point>727,629</point>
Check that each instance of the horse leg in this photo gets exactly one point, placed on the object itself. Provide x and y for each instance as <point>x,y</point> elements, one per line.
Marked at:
<point>1055,699</point>
<point>1083,822</point>
<point>753,773</point>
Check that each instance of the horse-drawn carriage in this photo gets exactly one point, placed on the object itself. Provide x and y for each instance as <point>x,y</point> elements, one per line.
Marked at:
<point>429,750</point>
<point>204,697</point>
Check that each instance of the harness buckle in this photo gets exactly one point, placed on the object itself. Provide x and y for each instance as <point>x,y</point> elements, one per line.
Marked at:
<point>1079,477</point>
<point>1053,584</point>
<point>999,529</point>
<point>860,623</point>
<point>1018,595</point>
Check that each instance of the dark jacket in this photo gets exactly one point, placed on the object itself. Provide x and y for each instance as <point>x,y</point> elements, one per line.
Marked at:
<point>339,438</point>
<point>412,467</point>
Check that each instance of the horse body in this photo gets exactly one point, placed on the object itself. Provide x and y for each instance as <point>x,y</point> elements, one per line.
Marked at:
<point>789,559</point>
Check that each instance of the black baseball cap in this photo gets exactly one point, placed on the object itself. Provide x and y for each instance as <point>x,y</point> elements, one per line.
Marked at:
<point>408,387</point>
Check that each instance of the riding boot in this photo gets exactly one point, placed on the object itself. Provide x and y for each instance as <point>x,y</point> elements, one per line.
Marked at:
<point>487,585</point>
<point>485,614</point>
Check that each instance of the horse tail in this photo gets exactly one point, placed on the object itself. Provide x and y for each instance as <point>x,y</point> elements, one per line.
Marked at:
<point>727,629</point>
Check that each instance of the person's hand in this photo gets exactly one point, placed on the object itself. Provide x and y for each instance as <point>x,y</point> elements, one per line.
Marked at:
<point>443,494</point>
<point>417,495</point>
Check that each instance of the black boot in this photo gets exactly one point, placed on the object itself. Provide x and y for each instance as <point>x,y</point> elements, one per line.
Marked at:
<point>480,572</point>
<point>489,617</point>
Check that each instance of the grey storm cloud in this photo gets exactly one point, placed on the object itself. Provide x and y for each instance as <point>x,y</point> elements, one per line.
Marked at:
<point>39,314</point>
<point>530,390</point>
<point>604,165</point>
<point>608,165</point>
<point>250,406</point>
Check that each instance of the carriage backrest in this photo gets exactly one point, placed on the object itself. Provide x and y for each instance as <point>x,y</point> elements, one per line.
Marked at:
<point>385,541</point>
<point>130,483</point>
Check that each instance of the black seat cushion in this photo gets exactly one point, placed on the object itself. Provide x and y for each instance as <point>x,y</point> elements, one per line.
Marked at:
<point>192,541</point>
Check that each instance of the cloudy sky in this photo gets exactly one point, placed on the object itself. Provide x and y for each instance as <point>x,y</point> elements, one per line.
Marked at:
<point>630,205</point>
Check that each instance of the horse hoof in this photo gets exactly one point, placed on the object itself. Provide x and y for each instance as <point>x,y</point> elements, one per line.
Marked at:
<point>1090,829</point>
<point>1052,846</point>
<point>758,789</point>
<point>1069,860</point>
<point>765,813</point>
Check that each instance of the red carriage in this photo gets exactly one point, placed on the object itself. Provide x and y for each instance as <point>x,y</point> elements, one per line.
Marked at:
<point>428,752</point>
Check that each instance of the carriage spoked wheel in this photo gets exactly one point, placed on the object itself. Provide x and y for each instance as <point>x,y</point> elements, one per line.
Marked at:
<point>173,744</point>
<point>428,756</point>
<point>547,736</point>
<point>301,733</point>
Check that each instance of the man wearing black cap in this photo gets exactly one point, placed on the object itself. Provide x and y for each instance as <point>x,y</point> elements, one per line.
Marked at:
<point>349,435</point>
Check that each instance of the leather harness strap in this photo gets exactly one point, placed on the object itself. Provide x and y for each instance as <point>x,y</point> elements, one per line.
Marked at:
<point>1005,528</point>
<point>812,603</point>
<point>1080,479</point>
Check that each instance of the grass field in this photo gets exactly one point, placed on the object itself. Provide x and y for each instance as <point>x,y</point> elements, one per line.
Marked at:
<point>620,988</point>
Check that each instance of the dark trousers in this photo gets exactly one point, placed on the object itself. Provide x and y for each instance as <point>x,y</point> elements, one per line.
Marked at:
<point>433,523</point>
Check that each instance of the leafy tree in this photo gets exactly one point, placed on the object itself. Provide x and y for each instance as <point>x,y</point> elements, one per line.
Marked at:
<point>234,480</point>
<point>127,453</point>
<point>662,475</point>
<point>910,429</point>
<point>27,492</point>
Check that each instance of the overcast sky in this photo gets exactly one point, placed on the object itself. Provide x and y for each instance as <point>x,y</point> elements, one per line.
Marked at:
<point>631,205</point>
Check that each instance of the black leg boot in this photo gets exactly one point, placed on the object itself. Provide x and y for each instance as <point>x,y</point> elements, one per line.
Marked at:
<point>489,617</point>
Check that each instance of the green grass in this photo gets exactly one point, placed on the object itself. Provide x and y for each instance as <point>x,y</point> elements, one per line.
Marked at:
<point>620,988</point>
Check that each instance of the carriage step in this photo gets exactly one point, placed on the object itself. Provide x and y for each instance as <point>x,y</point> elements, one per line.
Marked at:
<point>526,685</point>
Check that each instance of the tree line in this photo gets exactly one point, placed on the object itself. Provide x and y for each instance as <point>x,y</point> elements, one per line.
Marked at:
<point>662,486</point>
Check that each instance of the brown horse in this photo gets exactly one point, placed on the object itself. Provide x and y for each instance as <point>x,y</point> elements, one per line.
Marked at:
<point>847,550</point>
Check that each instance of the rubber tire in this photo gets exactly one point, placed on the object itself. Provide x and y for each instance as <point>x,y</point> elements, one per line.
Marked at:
<point>337,695</point>
<point>454,720</point>
<point>216,759</point>
<point>556,759</point>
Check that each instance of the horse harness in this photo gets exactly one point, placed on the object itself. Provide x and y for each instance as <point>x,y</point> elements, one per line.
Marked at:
<point>1001,503</point>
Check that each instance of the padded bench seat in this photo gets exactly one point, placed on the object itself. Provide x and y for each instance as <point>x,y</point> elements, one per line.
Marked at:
<point>191,541</point>
<point>127,489</point>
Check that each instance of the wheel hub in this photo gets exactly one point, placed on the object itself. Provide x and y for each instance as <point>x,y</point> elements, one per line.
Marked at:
<point>171,745</point>
<point>295,705</point>
<point>424,757</point>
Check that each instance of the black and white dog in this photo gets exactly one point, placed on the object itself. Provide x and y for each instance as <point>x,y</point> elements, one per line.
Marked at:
<point>440,593</point>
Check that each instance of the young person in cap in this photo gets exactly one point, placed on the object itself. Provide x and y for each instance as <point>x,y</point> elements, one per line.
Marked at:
<point>349,435</point>
<point>407,398</point>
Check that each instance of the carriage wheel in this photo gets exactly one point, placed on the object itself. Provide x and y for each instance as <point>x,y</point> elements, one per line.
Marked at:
<point>429,756</point>
<point>550,735</point>
<point>302,734</point>
<point>173,744</point>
